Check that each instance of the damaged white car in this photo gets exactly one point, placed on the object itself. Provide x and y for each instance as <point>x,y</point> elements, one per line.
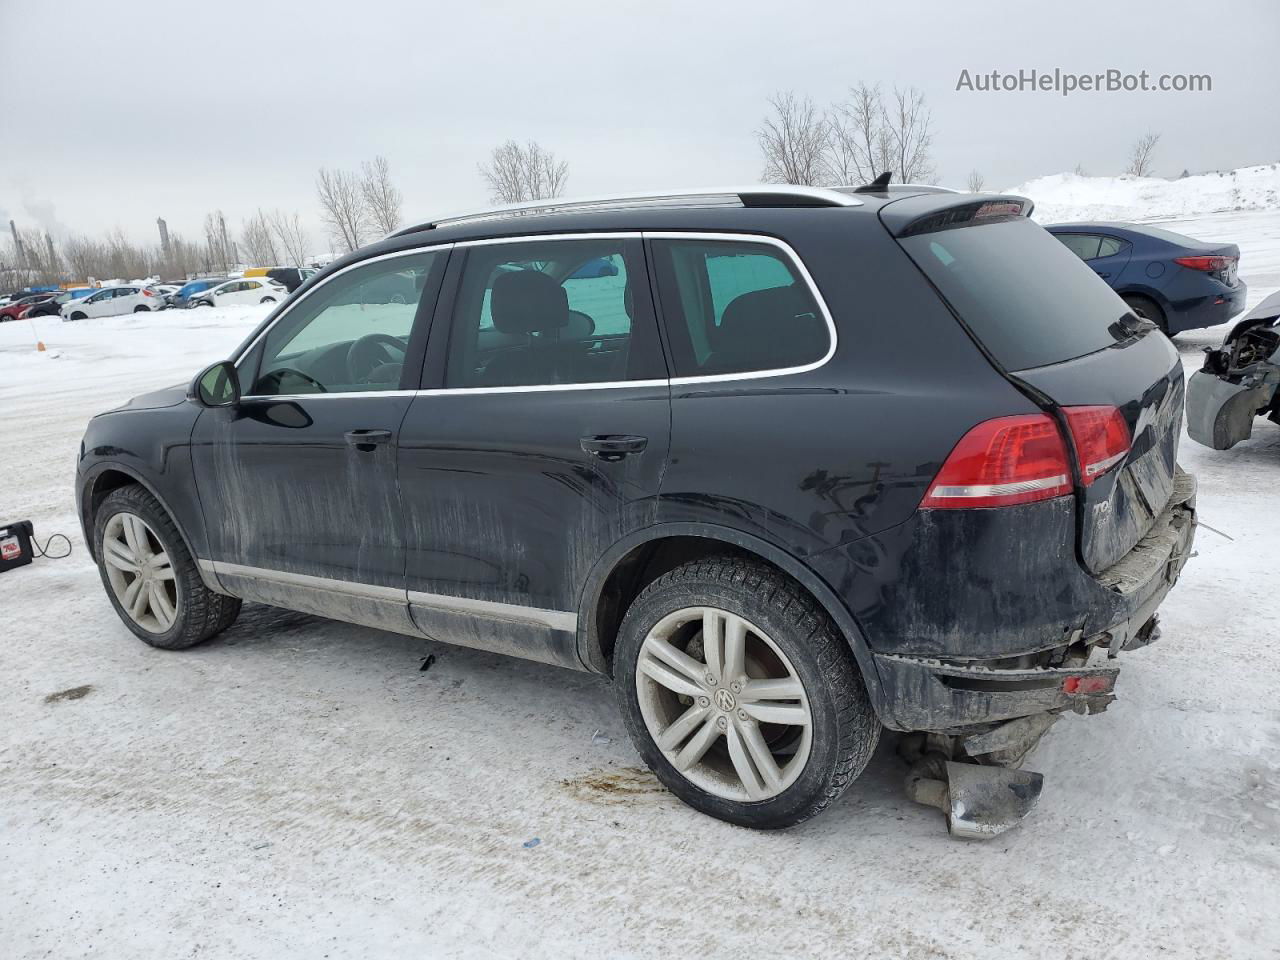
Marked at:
<point>1239,381</point>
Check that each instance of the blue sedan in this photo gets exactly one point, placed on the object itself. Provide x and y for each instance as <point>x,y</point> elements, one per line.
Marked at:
<point>1175,281</point>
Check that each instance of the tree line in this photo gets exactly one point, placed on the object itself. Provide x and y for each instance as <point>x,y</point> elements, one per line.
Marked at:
<point>850,141</point>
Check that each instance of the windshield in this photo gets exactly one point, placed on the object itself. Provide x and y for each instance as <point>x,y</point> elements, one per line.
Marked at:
<point>1029,299</point>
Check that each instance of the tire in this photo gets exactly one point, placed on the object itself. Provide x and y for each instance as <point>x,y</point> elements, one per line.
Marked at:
<point>140,309</point>
<point>78,316</point>
<point>1148,309</point>
<point>268,300</point>
<point>789,638</point>
<point>130,515</point>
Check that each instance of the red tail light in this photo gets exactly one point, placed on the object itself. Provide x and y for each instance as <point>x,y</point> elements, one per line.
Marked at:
<point>147,293</point>
<point>1207,264</point>
<point>1001,462</point>
<point>1101,436</point>
<point>1103,683</point>
<point>1023,459</point>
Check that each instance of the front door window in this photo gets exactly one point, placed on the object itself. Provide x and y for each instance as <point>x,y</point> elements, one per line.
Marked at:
<point>351,334</point>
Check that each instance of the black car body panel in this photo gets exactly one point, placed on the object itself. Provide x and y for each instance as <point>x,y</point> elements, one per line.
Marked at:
<point>486,517</point>
<point>1121,505</point>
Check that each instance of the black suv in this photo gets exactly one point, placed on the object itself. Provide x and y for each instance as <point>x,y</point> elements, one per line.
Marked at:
<point>799,464</point>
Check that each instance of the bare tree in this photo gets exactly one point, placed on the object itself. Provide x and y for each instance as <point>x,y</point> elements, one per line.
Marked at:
<point>858,145</point>
<point>84,257</point>
<point>33,259</point>
<point>794,142</point>
<point>1142,155</point>
<point>381,197</point>
<point>518,173</point>
<point>908,121</point>
<point>291,235</point>
<point>976,181</point>
<point>342,207</point>
<point>258,242</point>
<point>1080,171</point>
<point>220,252</point>
<point>184,258</point>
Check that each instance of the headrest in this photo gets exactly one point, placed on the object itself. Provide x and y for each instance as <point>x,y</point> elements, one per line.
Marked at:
<point>528,301</point>
<point>780,321</point>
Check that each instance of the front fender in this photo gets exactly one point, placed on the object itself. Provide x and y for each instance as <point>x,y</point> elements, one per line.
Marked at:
<point>150,446</point>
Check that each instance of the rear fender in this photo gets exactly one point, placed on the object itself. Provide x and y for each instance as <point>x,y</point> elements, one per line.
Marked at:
<point>589,644</point>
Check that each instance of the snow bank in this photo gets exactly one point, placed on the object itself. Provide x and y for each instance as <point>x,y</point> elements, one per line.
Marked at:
<point>1068,196</point>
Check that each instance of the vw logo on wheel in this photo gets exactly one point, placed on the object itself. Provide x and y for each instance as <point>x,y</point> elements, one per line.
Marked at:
<point>724,700</point>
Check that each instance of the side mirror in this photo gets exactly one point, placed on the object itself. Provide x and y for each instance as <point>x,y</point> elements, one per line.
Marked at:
<point>217,385</point>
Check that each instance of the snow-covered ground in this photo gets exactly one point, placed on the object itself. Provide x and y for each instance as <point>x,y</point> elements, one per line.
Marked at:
<point>298,788</point>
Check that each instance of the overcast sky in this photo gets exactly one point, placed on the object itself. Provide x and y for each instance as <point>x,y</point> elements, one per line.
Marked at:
<point>118,112</point>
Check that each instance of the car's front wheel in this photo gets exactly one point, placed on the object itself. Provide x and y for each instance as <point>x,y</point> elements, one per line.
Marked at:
<point>151,577</point>
<point>740,693</point>
<point>268,299</point>
<point>77,316</point>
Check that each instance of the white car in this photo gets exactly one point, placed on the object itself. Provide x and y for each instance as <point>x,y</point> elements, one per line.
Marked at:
<point>246,290</point>
<point>110,301</point>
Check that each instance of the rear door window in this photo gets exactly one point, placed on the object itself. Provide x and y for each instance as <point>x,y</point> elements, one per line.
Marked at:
<point>1022,293</point>
<point>735,306</point>
<point>1109,247</point>
<point>552,312</point>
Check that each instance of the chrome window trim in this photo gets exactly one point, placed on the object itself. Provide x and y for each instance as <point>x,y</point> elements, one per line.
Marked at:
<point>564,620</point>
<point>290,304</point>
<point>716,236</point>
<point>801,269</point>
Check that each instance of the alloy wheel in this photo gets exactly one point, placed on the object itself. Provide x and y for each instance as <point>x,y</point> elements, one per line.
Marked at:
<point>724,704</point>
<point>140,572</point>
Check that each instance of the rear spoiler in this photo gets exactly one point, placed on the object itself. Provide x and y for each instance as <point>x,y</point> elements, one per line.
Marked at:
<point>929,213</point>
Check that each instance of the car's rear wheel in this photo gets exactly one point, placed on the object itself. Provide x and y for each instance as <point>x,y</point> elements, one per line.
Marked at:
<point>741,695</point>
<point>1148,309</point>
<point>140,309</point>
<point>268,299</point>
<point>151,577</point>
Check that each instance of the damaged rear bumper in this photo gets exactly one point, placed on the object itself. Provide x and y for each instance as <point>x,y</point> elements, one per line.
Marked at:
<point>1220,413</point>
<point>955,695</point>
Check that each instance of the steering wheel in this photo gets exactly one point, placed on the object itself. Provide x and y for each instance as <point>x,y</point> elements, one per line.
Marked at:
<point>369,352</point>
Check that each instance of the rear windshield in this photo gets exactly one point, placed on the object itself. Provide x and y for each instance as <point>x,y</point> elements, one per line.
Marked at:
<point>1029,299</point>
<point>1178,239</point>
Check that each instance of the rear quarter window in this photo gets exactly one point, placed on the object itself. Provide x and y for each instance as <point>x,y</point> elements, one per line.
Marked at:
<point>737,307</point>
<point>1022,293</point>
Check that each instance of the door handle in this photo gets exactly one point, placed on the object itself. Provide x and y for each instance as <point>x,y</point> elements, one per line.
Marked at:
<point>611,448</point>
<point>1102,273</point>
<point>367,441</point>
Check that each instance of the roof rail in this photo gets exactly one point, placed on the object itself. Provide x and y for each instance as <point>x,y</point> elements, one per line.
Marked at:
<point>758,195</point>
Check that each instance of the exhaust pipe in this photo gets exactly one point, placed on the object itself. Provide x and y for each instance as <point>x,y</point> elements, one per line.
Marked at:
<point>979,802</point>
